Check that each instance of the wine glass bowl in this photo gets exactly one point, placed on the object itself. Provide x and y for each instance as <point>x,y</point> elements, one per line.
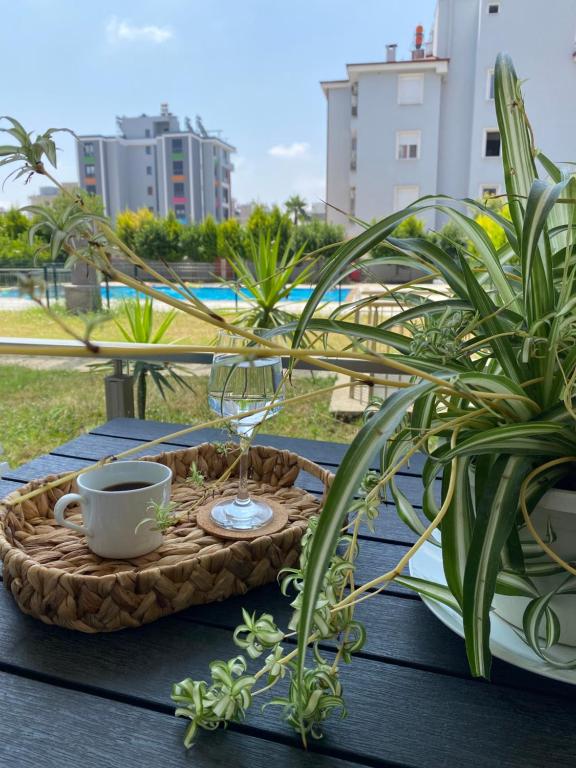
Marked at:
<point>239,384</point>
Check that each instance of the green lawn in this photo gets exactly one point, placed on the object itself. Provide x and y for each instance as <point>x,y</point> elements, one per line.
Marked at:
<point>39,410</point>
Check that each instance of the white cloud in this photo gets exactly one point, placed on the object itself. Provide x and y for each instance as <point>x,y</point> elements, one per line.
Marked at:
<point>296,149</point>
<point>310,187</point>
<point>120,31</point>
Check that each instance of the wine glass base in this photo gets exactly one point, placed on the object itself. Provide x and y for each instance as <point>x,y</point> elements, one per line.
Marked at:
<point>241,517</point>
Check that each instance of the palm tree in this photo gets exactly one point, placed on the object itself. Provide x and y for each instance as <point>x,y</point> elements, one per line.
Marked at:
<point>296,206</point>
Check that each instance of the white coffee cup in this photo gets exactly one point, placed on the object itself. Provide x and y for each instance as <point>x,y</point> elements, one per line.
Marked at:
<point>113,518</point>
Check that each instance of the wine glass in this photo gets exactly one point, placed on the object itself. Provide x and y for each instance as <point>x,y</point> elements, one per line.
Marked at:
<point>238,384</point>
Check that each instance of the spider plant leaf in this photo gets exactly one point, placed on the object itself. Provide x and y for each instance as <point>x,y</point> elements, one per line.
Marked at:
<point>529,439</point>
<point>354,466</point>
<point>350,251</point>
<point>536,268</point>
<point>515,585</point>
<point>486,253</point>
<point>493,325</point>
<point>429,589</point>
<point>517,150</point>
<point>457,528</point>
<point>495,517</point>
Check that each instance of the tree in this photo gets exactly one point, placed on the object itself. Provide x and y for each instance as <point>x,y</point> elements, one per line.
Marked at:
<point>191,243</point>
<point>296,207</point>
<point>209,239</point>
<point>13,223</point>
<point>230,237</point>
<point>91,203</point>
<point>129,222</point>
<point>158,239</point>
<point>313,235</point>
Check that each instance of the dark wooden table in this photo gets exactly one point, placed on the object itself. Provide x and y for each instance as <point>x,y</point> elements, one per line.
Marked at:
<point>70,699</point>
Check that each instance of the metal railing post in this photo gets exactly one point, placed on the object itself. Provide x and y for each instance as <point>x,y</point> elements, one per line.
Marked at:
<point>119,393</point>
<point>55,282</point>
<point>46,287</point>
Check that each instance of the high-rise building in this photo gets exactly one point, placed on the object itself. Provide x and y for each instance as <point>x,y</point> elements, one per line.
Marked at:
<point>154,164</point>
<point>401,129</point>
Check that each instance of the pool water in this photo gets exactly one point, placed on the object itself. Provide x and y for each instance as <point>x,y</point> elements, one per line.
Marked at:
<point>205,293</point>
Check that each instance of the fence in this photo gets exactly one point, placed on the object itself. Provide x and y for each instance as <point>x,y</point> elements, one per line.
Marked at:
<point>118,386</point>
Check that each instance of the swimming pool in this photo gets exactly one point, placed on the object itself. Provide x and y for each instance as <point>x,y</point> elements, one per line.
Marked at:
<point>207,293</point>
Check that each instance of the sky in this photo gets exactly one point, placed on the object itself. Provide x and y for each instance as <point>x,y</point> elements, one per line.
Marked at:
<point>250,68</point>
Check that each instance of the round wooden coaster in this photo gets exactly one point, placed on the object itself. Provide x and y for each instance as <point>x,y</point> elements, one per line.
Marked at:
<point>204,520</point>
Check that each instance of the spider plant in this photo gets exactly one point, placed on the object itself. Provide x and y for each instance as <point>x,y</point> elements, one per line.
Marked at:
<point>493,404</point>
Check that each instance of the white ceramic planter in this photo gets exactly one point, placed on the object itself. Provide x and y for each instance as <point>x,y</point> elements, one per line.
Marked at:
<point>558,507</point>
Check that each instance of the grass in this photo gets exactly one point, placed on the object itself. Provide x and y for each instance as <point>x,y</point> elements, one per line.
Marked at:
<point>39,410</point>
<point>34,323</point>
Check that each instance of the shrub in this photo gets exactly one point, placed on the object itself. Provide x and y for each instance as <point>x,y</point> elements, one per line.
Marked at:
<point>314,235</point>
<point>129,222</point>
<point>158,239</point>
<point>230,238</point>
<point>13,223</point>
<point>209,240</point>
<point>191,243</point>
<point>17,252</point>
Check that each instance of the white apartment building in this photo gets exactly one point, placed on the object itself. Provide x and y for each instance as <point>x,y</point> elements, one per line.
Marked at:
<point>398,130</point>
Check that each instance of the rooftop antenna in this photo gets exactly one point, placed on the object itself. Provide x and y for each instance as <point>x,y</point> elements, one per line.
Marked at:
<point>200,127</point>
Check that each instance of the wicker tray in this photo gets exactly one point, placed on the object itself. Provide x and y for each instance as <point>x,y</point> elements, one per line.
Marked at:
<point>54,577</point>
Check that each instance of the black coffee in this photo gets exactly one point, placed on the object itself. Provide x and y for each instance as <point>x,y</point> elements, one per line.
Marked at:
<point>126,487</point>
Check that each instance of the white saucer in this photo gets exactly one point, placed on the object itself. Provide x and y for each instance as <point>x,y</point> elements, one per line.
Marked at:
<point>505,643</point>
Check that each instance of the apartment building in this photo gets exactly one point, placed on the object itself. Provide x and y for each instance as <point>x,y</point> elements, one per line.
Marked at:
<point>400,129</point>
<point>154,164</point>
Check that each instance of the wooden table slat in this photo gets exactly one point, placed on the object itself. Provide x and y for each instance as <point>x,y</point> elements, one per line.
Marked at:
<point>44,726</point>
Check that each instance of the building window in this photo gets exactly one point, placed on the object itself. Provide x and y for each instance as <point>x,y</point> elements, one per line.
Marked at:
<point>408,145</point>
<point>226,213</point>
<point>91,189</point>
<point>176,145</point>
<point>354,96</point>
<point>150,190</point>
<point>148,149</point>
<point>216,171</point>
<point>147,133</point>
<point>493,9</point>
<point>226,157</point>
<point>226,175</point>
<point>352,201</point>
<point>215,150</point>
<point>177,167</point>
<point>353,153</point>
<point>89,148</point>
<point>490,85</point>
<point>179,189</point>
<point>89,170</point>
<point>410,89</point>
<point>492,144</point>
<point>225,194</point>
<point>488,190</point>
<point>151,208</point>
<point>180,211</point>
<point>405,195</point>
<point>148,170</point>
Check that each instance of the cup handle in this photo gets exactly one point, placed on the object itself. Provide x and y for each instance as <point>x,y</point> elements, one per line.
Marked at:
<point>60,508</point>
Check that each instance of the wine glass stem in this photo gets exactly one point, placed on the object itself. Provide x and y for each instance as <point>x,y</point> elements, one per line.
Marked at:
<point>243,497</point>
